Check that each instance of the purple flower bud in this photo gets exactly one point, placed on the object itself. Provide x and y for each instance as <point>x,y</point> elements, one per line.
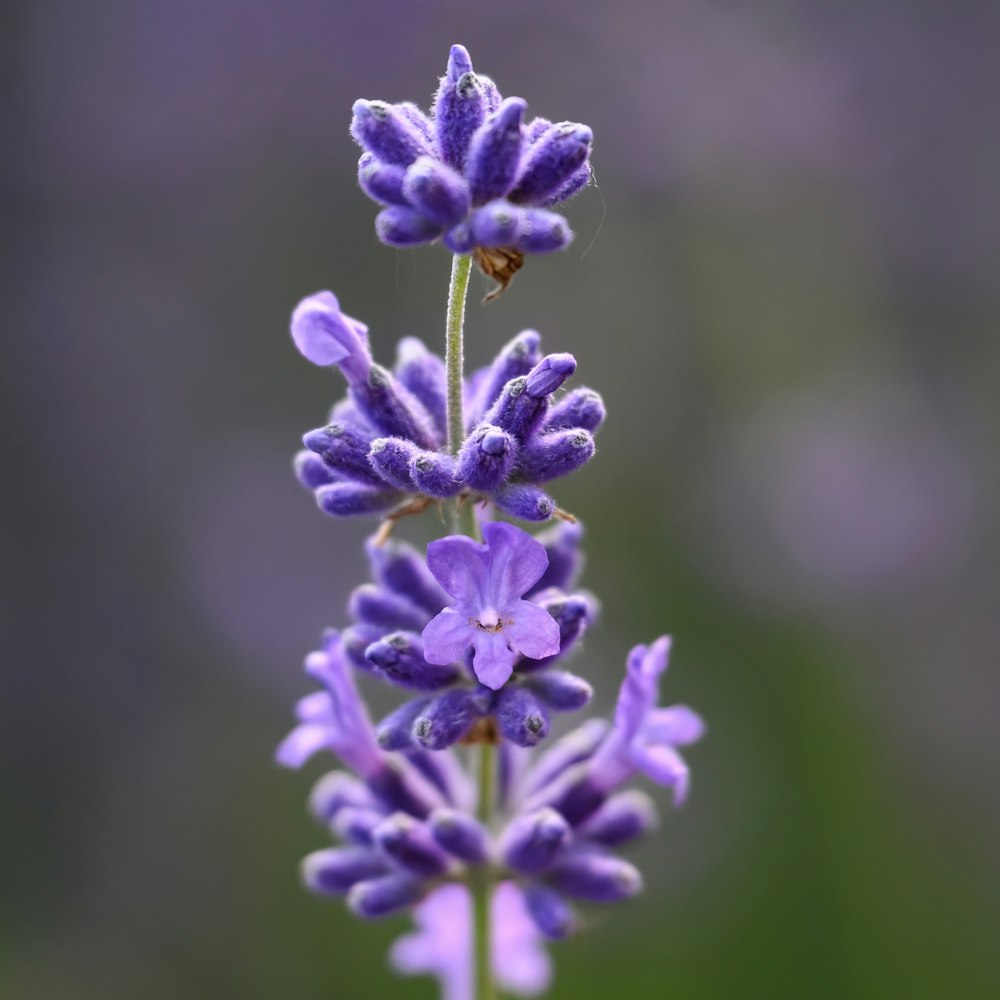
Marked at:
<point>526,502</point>
<point>344,451</point>
<point>355,825</point>
<point>540,231</point>
<point>560,690</point>
<point>497,224</point>
<point>422,374</point>
<point>495,152</point>
<point>562,546</point>
<point>382,182</point>
<point>399,567</point>
<point>576,796</point>
<point>390,408</point>
<point>434,473</point>
<point>418,120</point>
<point>395,731</point>
<point>515,411</point>
<point>460,107</point>
<point>400,657</point>
<point>336,869</point>
<point>517,357</point>
<point>409,844</point>
<point>375,606</point>
<point>335,791</point>
<point>405,227</point>
<point>572,615</point>
<point>532,842</point>
<point>388,133</point>
<point>446,719</point>
<point>622,818</point>
<point>521,716</point>
<point>383,896</point>
<point>549,374</point>
<point>437,192</point>
<point>390,458</point>
<point>311,471</point>
<point>442,770</point>
<point>572,187</point>
<point>582,408</point>
<point>554,158</point>
<point>353,499</point>
<point>555,454</point>
<point>552,915</point>
<point>459,239</point>
<point>460,835</point>
<point>356,639</point>
<point>493,100</point>
<point>487,458</point>
<point>399,786</point>
<point>537,128</point>
<point>599,878</point>
<point>326,336</point>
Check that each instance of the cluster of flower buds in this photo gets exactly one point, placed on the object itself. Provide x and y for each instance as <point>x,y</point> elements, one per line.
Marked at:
<point>475,632</point>
<point>383,446</point>
<point>474,174</point>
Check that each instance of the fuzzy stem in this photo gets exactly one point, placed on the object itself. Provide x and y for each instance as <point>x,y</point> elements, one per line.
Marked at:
<point>482,887</point>
<point>463,517</point>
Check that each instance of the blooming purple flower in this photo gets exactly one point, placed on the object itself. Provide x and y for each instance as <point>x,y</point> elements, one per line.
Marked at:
<point>475,175</point>
<point>487,583</point>
<point>442,944</point>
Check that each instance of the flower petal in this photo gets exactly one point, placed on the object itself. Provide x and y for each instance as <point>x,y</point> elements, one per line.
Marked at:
<point>494,661</point>
<point>665,766</point>
<point>458,564</point>
<point>516,562</point>
<point>677,725</point>
<point>446,637</point>
<point>534,631</point>
<point>301,743</point>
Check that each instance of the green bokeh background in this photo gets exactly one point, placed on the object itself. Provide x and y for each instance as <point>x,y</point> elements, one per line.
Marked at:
<point>785,288</point>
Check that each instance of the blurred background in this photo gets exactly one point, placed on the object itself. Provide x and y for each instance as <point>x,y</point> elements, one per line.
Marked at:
<point>786,289</point>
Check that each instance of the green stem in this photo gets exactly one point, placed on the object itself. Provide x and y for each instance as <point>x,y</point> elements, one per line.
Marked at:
<point>482,888</point>
<point>463,517</point>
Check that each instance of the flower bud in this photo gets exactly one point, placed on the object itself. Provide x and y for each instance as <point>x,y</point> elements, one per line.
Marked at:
<point>399,567</point>
<point>409,844</point>
<point>355,500</point>
<point>549,374</point>
<point>395,731</point>
<point>581,408</point>
<point>391,409</point>
<point>422,373</point>
<point>387,133</point>
<point>532,842</point>
<point>541,231</point>
<point>335,791</point>
<point>560,690</point>
<point>354,825</point>
<point>460,107</point>
<point>436,192</point>
<point>381,897</point>
<point>555,454</point>
<point>487,458</point>
<point>434,473</point>
<point>459,834</point>
<point>390,457</point>
<point>311,471</point>
<point>495,152</point>
<point>526,502</point>
<point>554,158</point>
<point>622,818</point>
<point>521,716</point>
<point>336,869</point>
<point>376,606</point>
<point>400,658</point>
<point>344,451</point>
<point>405,227</point>
<point>551,914</point>
<point>382,182</point>
<point>517,357</point>
<point>446,719</point>
<point>599,878</point>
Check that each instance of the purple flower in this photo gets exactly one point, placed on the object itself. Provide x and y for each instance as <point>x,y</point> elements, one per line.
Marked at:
<point>644,737</point>
<point>475,175</point>
<point>487,583</point>
<point>442,944</point>
<point>326,336</point>
<point>335,719</point>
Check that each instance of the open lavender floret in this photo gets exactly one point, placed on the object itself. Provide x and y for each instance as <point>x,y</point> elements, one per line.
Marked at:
<point>383,448</point>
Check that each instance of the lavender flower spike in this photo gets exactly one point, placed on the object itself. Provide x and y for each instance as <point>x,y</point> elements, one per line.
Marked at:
<point>487,583</point>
